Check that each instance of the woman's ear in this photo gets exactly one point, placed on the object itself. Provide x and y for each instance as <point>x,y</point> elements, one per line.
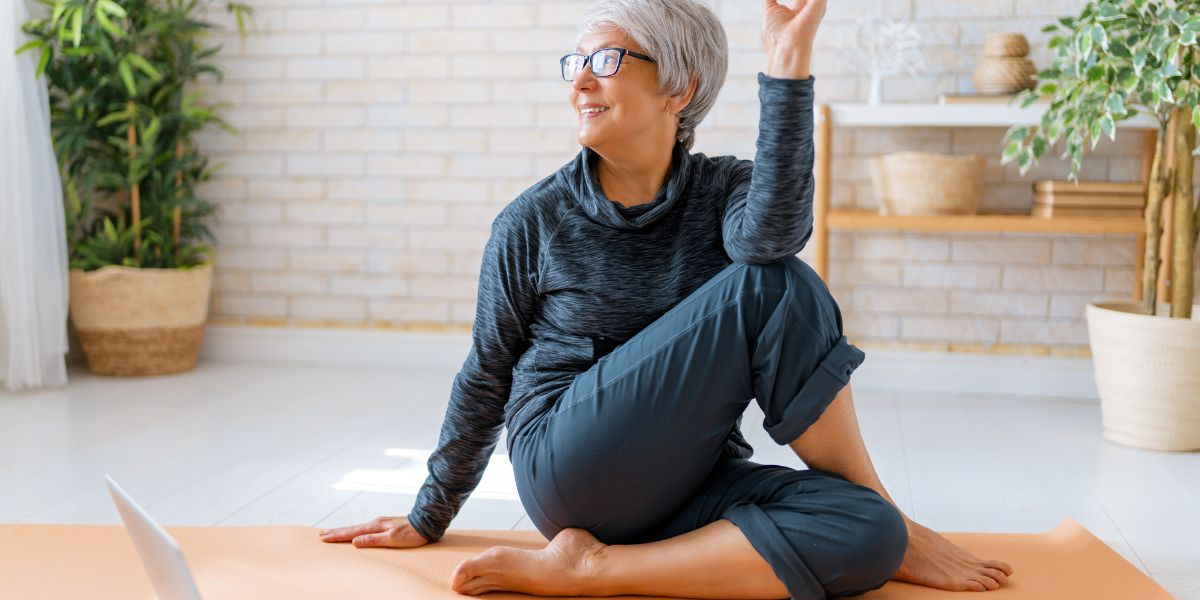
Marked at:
<point>680,102</point>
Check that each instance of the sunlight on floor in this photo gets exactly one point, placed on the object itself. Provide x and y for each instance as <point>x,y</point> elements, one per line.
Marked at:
<point>497,482</point>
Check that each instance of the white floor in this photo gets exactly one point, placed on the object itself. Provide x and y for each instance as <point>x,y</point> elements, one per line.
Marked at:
<point>240,443</point>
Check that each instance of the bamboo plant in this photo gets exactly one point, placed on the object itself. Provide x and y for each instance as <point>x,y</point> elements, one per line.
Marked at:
<point>1118,58</point>
<point>122,122</point>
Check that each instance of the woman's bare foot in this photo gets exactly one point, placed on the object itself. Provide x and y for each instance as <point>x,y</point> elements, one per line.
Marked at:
<point>563,568</point>
<point>934,561</point>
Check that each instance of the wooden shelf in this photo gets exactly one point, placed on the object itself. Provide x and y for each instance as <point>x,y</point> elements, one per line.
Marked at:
<point>952,115</point>
<point>825,219</point>
<point>871,219</point>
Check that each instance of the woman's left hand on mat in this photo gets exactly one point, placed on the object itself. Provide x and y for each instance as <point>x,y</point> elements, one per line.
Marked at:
<point>934,561</point>
<point>380,532</point>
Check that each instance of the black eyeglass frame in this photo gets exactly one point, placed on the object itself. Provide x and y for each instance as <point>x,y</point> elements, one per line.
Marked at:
<point>587,58</point>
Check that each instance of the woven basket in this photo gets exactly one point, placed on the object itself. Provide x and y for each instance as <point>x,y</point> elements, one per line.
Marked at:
<point>1004,75</point>
<point>1146,374</point>
<point>925,183</point>
<point>134,321</point>
<point>1005,44</point>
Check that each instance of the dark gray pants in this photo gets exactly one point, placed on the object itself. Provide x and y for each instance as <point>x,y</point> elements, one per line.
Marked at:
<point>632,449</point>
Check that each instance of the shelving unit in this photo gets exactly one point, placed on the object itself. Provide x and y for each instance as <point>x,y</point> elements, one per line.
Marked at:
<point>952,115</point>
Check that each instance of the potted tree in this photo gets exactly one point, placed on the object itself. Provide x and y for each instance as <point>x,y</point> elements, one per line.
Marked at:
<point>1113,60</point>
<point>122,123</point>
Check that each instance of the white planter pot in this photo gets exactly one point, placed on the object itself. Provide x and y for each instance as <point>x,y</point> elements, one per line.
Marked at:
<point>1148,375</point>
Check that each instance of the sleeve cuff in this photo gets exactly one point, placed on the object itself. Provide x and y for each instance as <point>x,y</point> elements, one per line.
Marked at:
<point>784,88</point>
<point>414,520</point>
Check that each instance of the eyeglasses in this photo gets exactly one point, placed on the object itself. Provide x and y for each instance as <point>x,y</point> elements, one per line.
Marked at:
<point>605,62</point>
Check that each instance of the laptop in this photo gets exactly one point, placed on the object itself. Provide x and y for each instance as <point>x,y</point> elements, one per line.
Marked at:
<point>160,554</point>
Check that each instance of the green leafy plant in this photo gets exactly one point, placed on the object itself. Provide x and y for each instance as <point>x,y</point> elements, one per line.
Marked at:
<point>1114,60</point>
<point>123,122</point>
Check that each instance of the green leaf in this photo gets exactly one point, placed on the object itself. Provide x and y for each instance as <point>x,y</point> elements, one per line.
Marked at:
<point>1010,152</point>
<point>111,7</point>
<point>59,9</point>
<point>1108,126</point>
<point>111,118</point>
<point>144,66</point>
<point>1039,146</point>
<point>1108,12</point>
<point>127,77</point>
<point>1164,92</point>
<point>1196,116</point>
<point>1025,160</point>
<point>150,134</point>
<point>1115,103</point>
<point>77,25</point>
<point>43,60</point>
<point>29,45</point>
<point>1099,36</point>
<point>1139,59</point>
<point>107,25</point>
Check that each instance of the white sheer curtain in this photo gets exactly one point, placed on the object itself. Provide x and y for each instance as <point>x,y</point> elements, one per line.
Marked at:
<point>34,288</point>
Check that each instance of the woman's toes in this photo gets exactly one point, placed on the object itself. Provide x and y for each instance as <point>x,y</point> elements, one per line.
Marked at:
<point>999,565</point>
<point>996,574</point>
<point>470,570</point>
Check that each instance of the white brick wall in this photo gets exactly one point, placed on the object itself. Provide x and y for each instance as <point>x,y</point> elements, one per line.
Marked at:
<point>378,140</point>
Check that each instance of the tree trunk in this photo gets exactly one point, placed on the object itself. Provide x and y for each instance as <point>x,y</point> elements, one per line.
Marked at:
<point>1154,200</point>
<point>1185,233</point>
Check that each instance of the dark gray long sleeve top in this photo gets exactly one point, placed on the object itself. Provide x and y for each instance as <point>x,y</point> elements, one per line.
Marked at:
<point>568,274</point>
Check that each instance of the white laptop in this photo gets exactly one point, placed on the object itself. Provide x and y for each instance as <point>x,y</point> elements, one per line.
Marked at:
<point>160,554</point>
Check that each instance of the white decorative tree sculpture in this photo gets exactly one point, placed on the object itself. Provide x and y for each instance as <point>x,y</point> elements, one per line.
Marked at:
<point>884,47</point>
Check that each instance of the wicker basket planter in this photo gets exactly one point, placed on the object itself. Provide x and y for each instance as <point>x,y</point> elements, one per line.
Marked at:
<point>926,183</point>
<point>1147,375</point>
<point>134,321</point>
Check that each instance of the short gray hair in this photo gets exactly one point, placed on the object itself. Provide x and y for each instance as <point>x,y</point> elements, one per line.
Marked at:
<point>684,37</point>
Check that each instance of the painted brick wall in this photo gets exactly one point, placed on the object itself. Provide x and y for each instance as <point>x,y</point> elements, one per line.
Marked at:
<point>378,139</point>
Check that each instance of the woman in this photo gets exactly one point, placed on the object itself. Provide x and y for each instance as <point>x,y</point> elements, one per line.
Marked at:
<point>630,305</point>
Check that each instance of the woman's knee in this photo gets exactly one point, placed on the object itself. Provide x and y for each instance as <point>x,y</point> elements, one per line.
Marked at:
<point>879,547</point>
<point>803,288</point>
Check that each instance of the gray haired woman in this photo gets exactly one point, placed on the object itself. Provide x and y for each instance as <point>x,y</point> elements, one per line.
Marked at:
<point>630,306</point>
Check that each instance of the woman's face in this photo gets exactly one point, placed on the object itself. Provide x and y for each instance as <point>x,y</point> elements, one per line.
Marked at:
<point>635,110</point>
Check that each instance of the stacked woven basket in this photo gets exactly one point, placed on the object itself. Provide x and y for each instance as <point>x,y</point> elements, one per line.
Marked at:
<point>1005,67</point>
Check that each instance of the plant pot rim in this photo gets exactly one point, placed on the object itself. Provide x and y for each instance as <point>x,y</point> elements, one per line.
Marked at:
<point>206,265</point>
<point>1133,309</point>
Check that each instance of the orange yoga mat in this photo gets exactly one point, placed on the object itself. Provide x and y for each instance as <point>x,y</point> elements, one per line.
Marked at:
<point>260,562</point>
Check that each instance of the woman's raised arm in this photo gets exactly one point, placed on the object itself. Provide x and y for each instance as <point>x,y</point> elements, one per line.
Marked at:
<point>768,215</point>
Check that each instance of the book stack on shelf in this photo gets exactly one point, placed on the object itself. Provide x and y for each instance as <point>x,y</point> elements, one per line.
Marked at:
<point>1054,198</point>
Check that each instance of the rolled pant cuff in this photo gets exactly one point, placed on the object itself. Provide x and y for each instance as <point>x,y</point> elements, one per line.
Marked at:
<point>775,548</point>
<point>830,376</point>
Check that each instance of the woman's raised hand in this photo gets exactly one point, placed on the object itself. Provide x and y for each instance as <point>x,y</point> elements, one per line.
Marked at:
<point>788,33</point>
<point>380,532</point>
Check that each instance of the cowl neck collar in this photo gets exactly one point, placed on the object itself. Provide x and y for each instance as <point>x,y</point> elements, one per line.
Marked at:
<point>583,179</point>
